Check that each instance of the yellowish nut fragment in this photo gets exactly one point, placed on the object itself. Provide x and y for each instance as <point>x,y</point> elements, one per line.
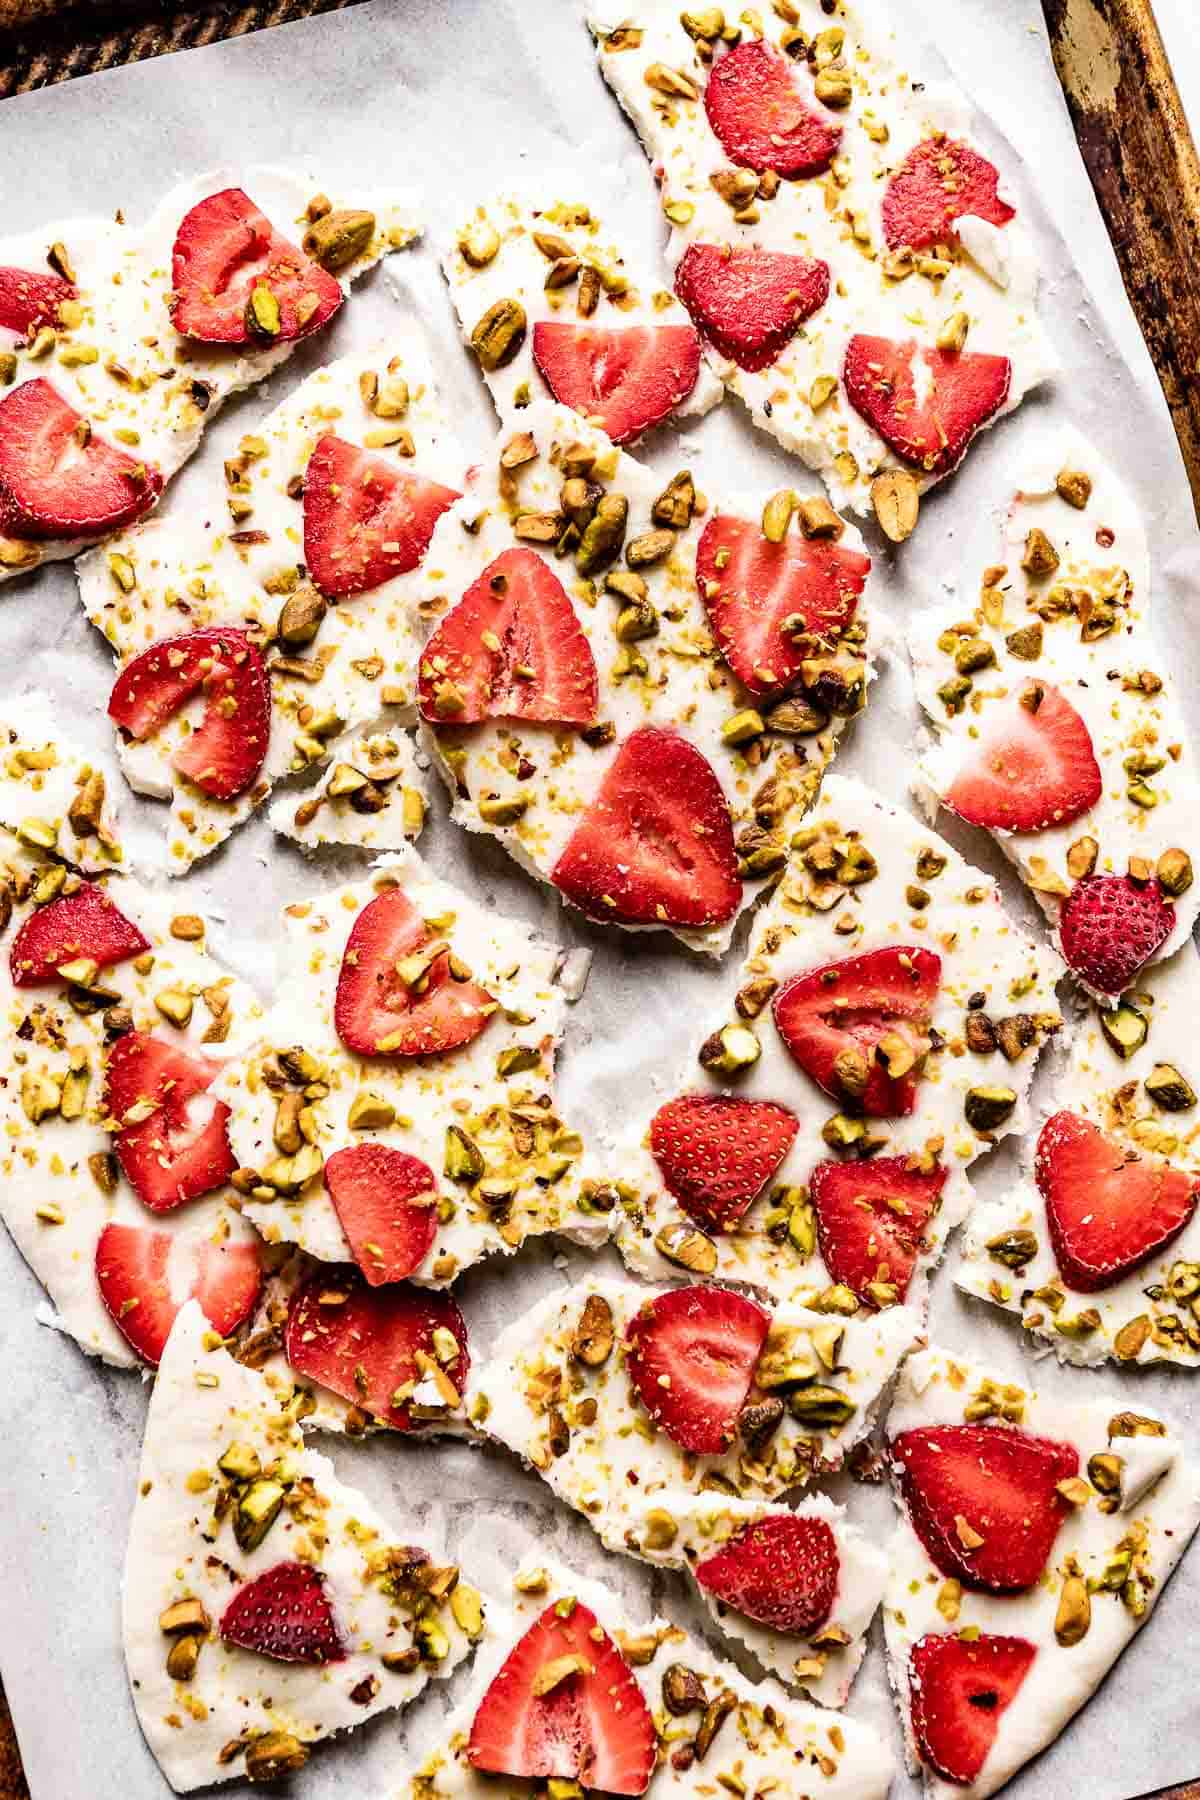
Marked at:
<point>953,334</point>
<point>1039,557</point>
<point>499,334</point>
<point>274,1755</point>
<point>340,238</point>
<point>1073,1619</point>
<point>479,242</point>
<point>672,82</point>
<point>1073,486</point>
<point>687,1248</point>
<point>777,515</point>
<point>897,502</point>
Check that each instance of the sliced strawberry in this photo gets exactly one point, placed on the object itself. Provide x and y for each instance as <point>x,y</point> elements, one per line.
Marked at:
<point>225,752</point>
<point>835,1018</point>
<point>365,520</point>
<point>180,1150</point>
<point>959,1689</point>
<point>362,1342</point>
<point>146,1276</point>
<point>387,1204</point>
<point>655,846</point>
<point>58,479</point>
<point>28,299</point>
<point>782,1572</point>
<point>1032,767</point>
<point>871,1217</point>
<point>224,248</point>
<point>749,303</point>
<point>938,182</point>
<point>285,1613</point>
<point>378,1012</point>
<point>1110,925</point>
<point>717,1155</point>
<point>1109,1207</point>
<point>511,649</point>
<point>691,1354</point>
<point>760,116</point>
<point>590,1725</point>
<point>625,379</point>
<point>82,926</point>
<point>927,404</point>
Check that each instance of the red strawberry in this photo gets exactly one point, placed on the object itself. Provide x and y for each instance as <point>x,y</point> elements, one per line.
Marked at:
<point>224,248</point>
<point>365,520</point>
<point>766,602</point>
<point>180,1150</point>
<point>146,1276</point>
<point>58,479</point>
<point>1109,1208</point>
<point>1032,767</point>
<point>625,379</point>
<point>227,749</point>
<point>749,303</point>
<point>937,183</point>
<point>782,1572</point>
<point>961,391</point>
<point>1109,926</point>
<point>591,1725</point>
<point>387,1204</point>
<point>28,299</point>
<point>959,1688</point>
<point>362,1342</point>
<point>691,1354</point>
<point>82,925</point>
<point>378,1012</point>
<point>870,1220</point>
<point>760,117</point>
<point>655,846</point>
<point>717,1155</point>
<point>514,617</point>
<point>833,1019</point>
<point>1000,1483</point>
<point>285,1613</point>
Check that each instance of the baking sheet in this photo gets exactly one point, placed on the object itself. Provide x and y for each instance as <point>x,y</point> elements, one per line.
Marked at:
<point>450,96</point>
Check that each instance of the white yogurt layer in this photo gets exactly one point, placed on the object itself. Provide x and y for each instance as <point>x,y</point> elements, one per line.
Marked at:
<point>1155,1524</point>
<point>52,795</point>
<point>374,796</point>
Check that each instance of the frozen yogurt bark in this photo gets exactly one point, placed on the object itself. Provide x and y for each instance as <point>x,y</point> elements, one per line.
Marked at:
<point>373,797</point>
<point>55,798</point>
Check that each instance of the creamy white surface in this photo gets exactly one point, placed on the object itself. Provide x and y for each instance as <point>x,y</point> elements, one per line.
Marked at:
<point>30,735</point>
<point>389,759</point>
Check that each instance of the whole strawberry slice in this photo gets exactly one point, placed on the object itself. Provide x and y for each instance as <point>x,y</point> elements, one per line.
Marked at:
<point>625,379</point>
<point>225,752</point>
<point>760,116</point>
<point>80,927</point>
<point>225,249</point>
<point>386,1202</point>
<point>145,1276</point>
<point>691,1354</point>
<point>937,183</point>
<point>960,391</point>
<point>983,1500</point>
<point>1033,766</point>
<point>365,520</point>
<point>871,1217</point>
<point>782,1572</point>
<point>1110,1208</point>
<point>396,995</point>
<point>363,1342</point>
<point>511,649</point>
<point>179,1150</point>
<point>285,1613</point>
<point>29,299</point>
<point>749,303</point>
<point>655,846</point>
<point>58,478</point>
<point>849,1024</point>
<point>766,602</point>
<point>1110,926</point>
<point>566,1706</point>
<point>716,1155</point>
<point>959,1689</point>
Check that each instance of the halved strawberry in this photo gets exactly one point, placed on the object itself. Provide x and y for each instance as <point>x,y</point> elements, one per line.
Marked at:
<point>767,602</point>
<point>225,752</point>
<point>716,1154</point>
<point>938,182</point>
<point>58,479</point>
<point>285,1613</point>
<point>417,1009</point>
<point>181,1149</point>
<point>362,1342</point>
<point>511,649</point>
<point>145,1276</point>
<point>566,1706</point>
<point>846,1021</point>
<point>365,520</point>
<point>28,299</point>
<point>782,1572</point>
<point>1109,926</point>
<point>655,846</point>
<point>84,926</point>
<point>959,391</point>
<point>625,379</point>
<point>224,248</point>
<point>963,1482</point>
<point>959,1688</point>
<point>1110,1208</point>
<point>691,1354</point>
<point>1032,767</point>
<point>749,303</point>
<point>870,1220</point>
<point>760,117</point>
<point>386,1202</point>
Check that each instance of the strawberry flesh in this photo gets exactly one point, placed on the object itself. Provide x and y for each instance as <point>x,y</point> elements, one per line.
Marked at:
<point>749,303</point>
<point>832,1020</point>
<point>1032,767</point>
<point>225,752</point>
<point>365,520</point>
<point>28,299</point>
<point>961,391</point>
<point>377,1012</point>
<point>706,1342</point>
<point>782,1572</point>
<point>1110,926</point>
<point>85,925</point>
<point>716,1155</point>
<point>870,1220</point>
<point>285,1613</point>
<point>760,117</point>
<point>145,1276</point>
<point>224,248</point>
<point>938,182</point>
<point>626,379</point>
<point>181,1150</point>
<point>959,1689</point>
<point>386,1202</point>
<point>58,478</point>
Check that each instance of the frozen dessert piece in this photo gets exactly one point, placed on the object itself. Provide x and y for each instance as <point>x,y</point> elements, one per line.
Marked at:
<point>54,796</point>
<point>373,797</point>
